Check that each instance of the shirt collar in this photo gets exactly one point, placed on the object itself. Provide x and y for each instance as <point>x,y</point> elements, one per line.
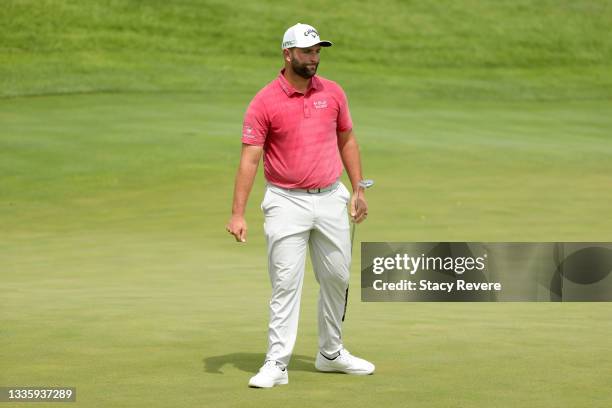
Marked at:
<point>314,85</point>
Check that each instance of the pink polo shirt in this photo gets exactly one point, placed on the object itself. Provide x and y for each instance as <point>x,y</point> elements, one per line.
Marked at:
<point>298,131</point>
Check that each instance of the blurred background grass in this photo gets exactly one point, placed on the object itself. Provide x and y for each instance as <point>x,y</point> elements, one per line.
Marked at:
<point>401,49</point>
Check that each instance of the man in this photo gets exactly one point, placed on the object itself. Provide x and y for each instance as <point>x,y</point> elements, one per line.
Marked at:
<point>301,124</point>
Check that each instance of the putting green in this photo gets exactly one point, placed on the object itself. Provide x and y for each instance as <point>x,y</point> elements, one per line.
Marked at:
<point>118,277</point>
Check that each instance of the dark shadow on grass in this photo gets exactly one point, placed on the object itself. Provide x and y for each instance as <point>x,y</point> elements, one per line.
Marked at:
<point>251,362</point>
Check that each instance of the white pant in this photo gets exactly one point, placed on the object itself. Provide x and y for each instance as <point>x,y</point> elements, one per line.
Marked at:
<point>293,222</point>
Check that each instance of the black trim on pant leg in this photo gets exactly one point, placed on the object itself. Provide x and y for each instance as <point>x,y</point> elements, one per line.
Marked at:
<point>345,303</point>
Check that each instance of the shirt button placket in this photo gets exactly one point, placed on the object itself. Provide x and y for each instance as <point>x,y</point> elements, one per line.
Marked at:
<point>306,108</point>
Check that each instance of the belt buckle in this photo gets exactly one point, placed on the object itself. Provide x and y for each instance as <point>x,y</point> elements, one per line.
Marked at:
<point>313,190</point>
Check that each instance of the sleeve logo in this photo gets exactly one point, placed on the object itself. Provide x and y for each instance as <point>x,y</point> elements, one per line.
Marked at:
<point>248,132</point>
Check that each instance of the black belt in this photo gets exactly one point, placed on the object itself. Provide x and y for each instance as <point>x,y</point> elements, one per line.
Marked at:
<point>314,190</point>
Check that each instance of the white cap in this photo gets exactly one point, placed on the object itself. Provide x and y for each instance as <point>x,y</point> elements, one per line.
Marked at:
<point>302,36</point>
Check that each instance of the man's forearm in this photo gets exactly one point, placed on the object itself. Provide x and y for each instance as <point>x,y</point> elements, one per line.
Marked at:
<point>242,187</point>
<point>249,161</point>
<point>351,158</point>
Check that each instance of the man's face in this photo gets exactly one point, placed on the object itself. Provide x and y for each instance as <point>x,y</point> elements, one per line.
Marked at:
<point>305,61</point>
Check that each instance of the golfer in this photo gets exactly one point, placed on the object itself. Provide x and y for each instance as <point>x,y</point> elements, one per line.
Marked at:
<point>301,124</point>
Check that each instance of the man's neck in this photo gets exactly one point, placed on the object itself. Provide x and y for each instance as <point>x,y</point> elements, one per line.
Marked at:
<point>299,83</point>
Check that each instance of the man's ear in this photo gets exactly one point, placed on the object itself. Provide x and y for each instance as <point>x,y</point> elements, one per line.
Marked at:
<point>287,55</point>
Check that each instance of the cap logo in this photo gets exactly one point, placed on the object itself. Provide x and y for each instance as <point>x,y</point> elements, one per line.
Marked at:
<point>288,44</point>
<point>312,32</point>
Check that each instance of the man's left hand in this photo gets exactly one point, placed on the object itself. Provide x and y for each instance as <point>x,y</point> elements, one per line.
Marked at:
<point>359,207</point>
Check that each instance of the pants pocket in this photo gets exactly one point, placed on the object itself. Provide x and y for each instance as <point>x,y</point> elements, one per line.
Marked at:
<point>345,193</point>
<point>266,199</point>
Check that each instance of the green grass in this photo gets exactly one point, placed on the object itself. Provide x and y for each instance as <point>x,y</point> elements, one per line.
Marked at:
<point>117,273</point>
<point>466,49</point>
<point>119,139</point>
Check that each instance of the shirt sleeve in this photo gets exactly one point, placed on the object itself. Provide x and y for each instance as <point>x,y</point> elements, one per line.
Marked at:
<point>256,125</point>
<point>344,121</point>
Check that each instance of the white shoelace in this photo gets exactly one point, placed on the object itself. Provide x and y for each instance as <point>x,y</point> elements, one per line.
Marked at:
<point>271,365</point>
<point>345,355</point>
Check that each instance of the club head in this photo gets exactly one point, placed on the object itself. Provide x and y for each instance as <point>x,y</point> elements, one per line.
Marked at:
<point>366,183</point>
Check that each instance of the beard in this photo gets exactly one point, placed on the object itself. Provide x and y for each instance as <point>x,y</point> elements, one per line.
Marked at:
<point>306,71</point>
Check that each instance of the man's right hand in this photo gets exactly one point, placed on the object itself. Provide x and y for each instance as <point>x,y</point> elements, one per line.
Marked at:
<point>237,226</point>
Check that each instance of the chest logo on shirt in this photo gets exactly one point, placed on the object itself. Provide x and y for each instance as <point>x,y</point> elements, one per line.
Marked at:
<point>320,104</point>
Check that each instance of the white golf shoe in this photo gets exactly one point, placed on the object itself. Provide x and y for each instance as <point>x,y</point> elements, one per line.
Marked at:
<point>344,363</point>
<point>269,375</point>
